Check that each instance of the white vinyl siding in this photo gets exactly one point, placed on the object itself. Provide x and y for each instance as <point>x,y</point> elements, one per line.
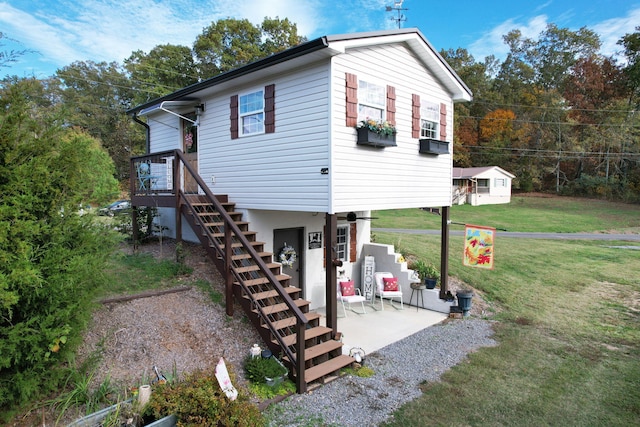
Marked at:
<point>366,178</point>
<point>273,171</point>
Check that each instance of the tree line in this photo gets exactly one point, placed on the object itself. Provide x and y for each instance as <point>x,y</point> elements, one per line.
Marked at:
<point>556,113</point>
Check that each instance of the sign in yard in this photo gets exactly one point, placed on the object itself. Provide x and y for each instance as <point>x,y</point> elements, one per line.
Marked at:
<point>479,246</point>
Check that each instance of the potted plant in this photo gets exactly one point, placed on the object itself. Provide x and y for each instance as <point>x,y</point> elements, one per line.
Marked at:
<point>427,272</point>
<point>376,134</point>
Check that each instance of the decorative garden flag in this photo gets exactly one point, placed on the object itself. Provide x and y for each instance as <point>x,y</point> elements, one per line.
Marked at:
<point>478,246</point>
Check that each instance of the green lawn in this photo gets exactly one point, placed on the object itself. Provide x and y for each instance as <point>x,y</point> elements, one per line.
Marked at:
<point>567,315</point>
<point>533,214</point>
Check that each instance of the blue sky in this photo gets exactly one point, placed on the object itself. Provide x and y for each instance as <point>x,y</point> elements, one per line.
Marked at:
<point>64,31</point>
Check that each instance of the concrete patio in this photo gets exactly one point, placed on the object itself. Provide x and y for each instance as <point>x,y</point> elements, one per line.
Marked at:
<point>377,328</point>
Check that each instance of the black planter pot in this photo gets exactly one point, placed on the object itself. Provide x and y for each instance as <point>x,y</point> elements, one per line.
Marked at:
<point>464,301</point>
<point>430,283</point>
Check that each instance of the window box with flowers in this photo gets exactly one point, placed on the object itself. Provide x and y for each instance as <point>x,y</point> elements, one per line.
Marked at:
<point>376,134</point>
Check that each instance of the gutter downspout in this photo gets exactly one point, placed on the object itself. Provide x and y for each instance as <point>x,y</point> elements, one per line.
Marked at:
<point>147,132</point>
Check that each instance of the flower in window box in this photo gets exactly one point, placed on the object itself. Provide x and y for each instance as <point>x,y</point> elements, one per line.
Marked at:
<point>381,128</point>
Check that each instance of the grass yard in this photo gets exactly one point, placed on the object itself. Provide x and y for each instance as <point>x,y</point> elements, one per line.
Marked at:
<point>532,214</point>
<point>568,319</point>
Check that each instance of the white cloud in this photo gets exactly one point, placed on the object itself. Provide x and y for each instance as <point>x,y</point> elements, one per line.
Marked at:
<point>493,44</point>
<point>612,30</point>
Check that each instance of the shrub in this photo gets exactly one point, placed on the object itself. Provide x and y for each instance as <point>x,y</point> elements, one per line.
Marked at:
<point>257,369</point>
<point>197,400</point>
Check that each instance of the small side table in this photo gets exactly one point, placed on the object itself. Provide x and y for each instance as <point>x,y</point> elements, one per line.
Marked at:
<point>419,287</point>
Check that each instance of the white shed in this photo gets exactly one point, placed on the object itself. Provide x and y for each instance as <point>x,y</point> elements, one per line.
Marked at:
<point>487,185</point>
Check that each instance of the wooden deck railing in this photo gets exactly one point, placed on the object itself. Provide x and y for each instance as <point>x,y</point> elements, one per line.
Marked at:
<point>156,181</point>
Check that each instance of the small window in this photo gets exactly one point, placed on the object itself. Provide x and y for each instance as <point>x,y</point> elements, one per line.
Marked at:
<point>251,106</point>
<point>429,117</point>
<point>372,101</point>
<point>483,183</point>
<point>501,182</point>
<point>342,246</point>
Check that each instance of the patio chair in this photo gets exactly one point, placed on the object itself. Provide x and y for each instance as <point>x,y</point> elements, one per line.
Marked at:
<point>347,295</point>
<point>387,287</point>
<point>145,179</point>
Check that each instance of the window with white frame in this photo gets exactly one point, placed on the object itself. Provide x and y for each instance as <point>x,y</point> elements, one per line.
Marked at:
<point>342,246</point>
<point>429,118</point>
<point>501,182</point>
<point>251,109</point>
<point>372,101</point>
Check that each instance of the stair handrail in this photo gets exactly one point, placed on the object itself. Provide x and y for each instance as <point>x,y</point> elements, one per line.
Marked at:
<point>301,319</point>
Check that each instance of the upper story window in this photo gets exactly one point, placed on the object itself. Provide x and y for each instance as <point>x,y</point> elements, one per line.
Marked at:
<point>429,118</point>
<point>342,242</point>
<point>372,101</point>
<point>251,109</point>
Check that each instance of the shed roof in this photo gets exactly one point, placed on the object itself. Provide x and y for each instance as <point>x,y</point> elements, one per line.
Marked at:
<point>468,173</point>
<point>328,46</point>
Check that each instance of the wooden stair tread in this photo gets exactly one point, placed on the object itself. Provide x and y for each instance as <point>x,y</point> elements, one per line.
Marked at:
<point>308,334</point>
<point>273,293</point>
<point>216,213</point>
<point>240,245</point>
<point>254,267</point>
<point>279,308</point>
<point>291,321</point>
<point>248,256</point>
<point>264,280</point>
<point>320,349</point>
<point>221,224</point>
<point>327,367</point>
<point>246,233</point>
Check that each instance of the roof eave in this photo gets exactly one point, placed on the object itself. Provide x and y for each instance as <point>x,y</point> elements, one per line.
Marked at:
<point>286,55</point>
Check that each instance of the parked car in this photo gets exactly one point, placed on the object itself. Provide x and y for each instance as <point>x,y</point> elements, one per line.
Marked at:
<point>116,208</point>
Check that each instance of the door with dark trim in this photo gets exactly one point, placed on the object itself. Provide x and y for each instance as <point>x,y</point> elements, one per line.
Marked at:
<point>293,237</point>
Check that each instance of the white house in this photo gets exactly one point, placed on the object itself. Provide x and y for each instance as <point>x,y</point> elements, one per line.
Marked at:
<point>275,142</point>
<point>481,186</point>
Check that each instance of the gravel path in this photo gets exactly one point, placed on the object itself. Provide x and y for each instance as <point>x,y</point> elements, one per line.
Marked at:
<point>399,370</point>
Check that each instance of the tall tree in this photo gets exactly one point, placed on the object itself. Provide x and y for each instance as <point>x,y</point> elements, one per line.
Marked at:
<point>9,56</point>
<point>50,257</point>
<point>95,97</point>
<point>230,43</point>
<point>165,69</point>
<point>631,44</point>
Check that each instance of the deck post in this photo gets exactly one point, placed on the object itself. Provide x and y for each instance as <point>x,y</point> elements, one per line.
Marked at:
<point>331,277</point>
<point>176,190</point>
<point>228,281</point>
<point>444,253</point>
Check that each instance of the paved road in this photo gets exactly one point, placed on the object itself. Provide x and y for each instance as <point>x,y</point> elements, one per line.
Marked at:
<point>562,236</point>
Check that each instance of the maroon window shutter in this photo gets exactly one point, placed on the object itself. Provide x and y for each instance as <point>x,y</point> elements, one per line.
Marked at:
<point>443,121</point>
<point>270,109</point>
<point>352,242</point>
<point>233,116</point>
<point>415,116</point>
<point>352,99</point>
<point>391,105</point>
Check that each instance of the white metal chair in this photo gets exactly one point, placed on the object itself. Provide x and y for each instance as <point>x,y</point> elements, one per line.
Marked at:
<point>379,277</point>
<point>350,299</point>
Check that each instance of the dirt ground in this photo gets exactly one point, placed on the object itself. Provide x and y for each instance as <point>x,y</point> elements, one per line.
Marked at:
<point>178,332</point>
